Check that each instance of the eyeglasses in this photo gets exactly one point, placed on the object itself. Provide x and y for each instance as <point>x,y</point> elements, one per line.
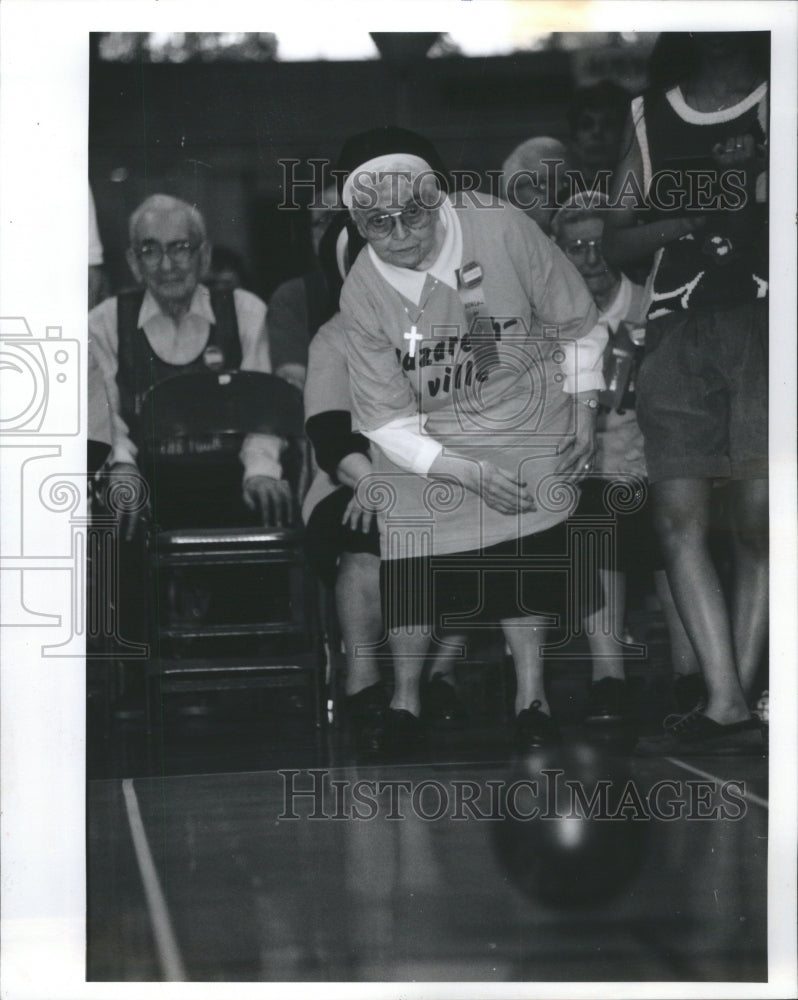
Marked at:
<point>180,252</point>
<point>578,250</point>
<point>412,215</point>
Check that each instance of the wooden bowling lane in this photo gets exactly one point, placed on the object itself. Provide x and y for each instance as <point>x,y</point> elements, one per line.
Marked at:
<point>250,894</point>
<point>121,945</point>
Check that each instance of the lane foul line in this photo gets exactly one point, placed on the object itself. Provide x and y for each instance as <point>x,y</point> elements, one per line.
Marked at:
<point>165,941</point>
<point>751,796</point>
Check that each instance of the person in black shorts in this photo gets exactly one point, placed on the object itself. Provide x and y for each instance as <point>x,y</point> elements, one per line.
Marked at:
<point>702,386</point>
<point>617,488</point>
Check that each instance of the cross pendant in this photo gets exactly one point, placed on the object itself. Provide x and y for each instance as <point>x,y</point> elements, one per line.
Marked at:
<point>413,337</point>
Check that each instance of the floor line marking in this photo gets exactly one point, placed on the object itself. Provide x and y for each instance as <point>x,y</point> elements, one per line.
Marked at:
<point>751,796</point>
<point>165,941</point>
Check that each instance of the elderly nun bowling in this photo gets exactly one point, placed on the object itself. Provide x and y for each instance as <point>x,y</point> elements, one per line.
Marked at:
<point>507,445</point>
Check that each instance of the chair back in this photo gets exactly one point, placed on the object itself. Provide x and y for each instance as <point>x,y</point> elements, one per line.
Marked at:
<point>192,429</point>
<point>206,412</point>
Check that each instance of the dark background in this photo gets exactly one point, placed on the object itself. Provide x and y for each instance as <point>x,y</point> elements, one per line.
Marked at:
<point>213,132</point>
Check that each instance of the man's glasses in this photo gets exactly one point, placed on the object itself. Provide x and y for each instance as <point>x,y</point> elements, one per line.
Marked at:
<point>579,249</point>
<point>413,216</point>
<point>180,252</point>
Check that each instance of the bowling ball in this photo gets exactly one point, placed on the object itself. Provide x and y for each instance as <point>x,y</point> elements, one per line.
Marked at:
<point>580,837</point>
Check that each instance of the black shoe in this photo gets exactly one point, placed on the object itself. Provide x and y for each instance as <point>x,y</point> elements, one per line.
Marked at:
<point>535,729</point>
<point>690,693</point>
<point>366,711</point>
<point>609,701</point>
<point>404,733</point>
<point>441,707</point>
<point>694,735</point>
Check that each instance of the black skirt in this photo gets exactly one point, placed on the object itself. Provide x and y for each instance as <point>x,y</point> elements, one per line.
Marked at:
<point>542,574</point>
<point>326,537</point>
<point>633,546</point>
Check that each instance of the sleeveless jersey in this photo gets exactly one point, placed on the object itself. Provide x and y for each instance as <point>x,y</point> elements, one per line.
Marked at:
<point>727,261</point>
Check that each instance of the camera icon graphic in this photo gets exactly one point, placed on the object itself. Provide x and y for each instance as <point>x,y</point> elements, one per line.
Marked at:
<point>41,381</point>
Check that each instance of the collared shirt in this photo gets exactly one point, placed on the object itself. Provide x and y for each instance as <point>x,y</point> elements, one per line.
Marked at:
<point>180,344</point>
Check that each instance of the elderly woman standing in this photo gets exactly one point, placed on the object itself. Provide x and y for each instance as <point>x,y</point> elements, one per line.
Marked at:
<point>472,371</point>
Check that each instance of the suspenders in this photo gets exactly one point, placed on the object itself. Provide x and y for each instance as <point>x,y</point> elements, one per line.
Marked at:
<point>139,367</point>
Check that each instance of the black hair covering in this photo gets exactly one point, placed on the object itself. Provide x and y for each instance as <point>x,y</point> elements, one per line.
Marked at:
<point>380,141</point>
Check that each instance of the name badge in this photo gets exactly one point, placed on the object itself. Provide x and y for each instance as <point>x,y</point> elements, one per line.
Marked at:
<point>470,275</point>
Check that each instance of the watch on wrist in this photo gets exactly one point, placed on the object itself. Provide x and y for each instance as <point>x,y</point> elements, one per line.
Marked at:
<point>592,403</point>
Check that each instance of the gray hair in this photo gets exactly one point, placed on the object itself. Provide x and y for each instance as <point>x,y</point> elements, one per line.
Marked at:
<point>530,154</point>
<point>583,205</point>
<point>167,203</point>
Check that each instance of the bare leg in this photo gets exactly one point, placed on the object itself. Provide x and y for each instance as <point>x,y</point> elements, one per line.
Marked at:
<point>409,648</point>
<point>446,656</point>
<point>604,625</point>
<point>681,515</point>
<point>357,599</point>
<point>525,637</point>
<point>683,658</point>
<point>749,517</point>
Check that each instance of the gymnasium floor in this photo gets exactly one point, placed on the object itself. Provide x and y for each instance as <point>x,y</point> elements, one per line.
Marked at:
<point>198,873</point>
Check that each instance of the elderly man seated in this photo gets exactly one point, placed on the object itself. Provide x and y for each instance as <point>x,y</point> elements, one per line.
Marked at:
<point>174,325</point>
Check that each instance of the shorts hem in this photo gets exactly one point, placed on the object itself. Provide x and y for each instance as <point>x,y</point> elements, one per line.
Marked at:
<point>702,469</point>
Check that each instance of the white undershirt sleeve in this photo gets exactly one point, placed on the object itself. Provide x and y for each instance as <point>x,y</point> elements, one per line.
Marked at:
<point>583,364</point>
<point>404,444</point>
<point>260,453</point>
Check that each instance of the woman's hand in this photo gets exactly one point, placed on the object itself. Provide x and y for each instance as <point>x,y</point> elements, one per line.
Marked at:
<point>578,453</point>
<point>736,151</point>
<point>352,469</point>
<point>741,153</point>
<point>357,516</point>
<point>503,492</point>
<point>500,491</point>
